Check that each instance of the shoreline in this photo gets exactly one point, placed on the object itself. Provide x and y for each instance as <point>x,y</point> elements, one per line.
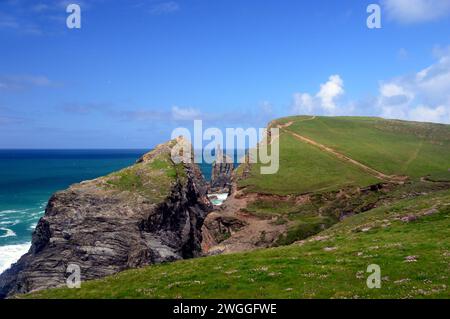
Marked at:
<point>10,254</point>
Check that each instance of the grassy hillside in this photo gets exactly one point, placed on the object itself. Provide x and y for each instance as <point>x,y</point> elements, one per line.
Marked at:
<point>304,169</point>
<point>391,147</point>
<point>408,240</point>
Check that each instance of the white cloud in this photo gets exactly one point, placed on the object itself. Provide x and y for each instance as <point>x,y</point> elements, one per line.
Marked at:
<point>303,103</point>
<point>185,114</point>
<point>416,11</point>
<point>329,91</point>
<point>8,22</point>
<point>323,101</point>
<point>24,81</point>
<point>391,90</point>
<point>427,114</point>
<point>165,8</point>
<point>440,51</point>
<point>40,7</point>
<point>423,96</point>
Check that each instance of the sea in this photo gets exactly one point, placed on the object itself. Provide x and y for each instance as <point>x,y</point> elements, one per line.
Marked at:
<point>29,177</point>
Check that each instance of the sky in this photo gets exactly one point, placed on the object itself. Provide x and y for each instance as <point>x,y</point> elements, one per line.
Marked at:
<point>137,69</point>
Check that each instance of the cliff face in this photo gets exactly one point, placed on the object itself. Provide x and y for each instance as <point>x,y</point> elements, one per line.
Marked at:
<point>222,174</point>
<point>148,213</point>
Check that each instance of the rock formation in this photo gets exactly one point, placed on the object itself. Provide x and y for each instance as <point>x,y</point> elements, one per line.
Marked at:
<point>222,174</point>
<point>148,213</point>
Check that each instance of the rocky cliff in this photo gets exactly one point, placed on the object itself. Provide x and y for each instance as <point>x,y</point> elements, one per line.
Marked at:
<point>222,174</point>
<point>148,213</point>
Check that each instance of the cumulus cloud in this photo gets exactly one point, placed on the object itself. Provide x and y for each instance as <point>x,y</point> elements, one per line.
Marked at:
<point>329,91</point>
<point>323,101</point>
<point>423,96</point>
<point>416,11</point>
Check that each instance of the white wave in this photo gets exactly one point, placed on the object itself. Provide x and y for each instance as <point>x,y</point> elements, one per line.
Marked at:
<point>9,233</point>
<point>11,253</point>
<point>8,222</point>
<point>33,227</point>
<point>218,199</point>
<point>40,213</point>
<point>10,211</point>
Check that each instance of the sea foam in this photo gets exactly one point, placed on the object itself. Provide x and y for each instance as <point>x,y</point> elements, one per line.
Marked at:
<point>8,233</point>
<point>11,253</point>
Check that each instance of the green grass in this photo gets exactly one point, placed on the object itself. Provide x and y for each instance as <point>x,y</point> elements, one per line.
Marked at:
<point>269,208</point>
<point>305,227</point>
<point>392,147</point>
<point>152,179</point>
<point>333,266</point>
<point>305,169</point>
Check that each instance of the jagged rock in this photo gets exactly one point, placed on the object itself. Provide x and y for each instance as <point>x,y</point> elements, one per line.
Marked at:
<point>222,174</point>
<point>148,213</point>
<point>217,228</point>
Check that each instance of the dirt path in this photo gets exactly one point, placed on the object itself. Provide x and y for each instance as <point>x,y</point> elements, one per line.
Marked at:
<point>413,157</point>
<point>373,172</point>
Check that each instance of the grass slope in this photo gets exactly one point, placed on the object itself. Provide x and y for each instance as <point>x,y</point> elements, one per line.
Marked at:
<point>390,146</point>
<point>152,179</point>
<point>303,169</point>
<point>330,266</point>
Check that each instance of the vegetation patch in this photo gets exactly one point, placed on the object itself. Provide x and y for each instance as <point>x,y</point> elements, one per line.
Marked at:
<point>152,179</point>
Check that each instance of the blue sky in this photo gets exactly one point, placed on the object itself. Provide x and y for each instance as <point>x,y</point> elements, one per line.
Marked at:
<point>138,69</point>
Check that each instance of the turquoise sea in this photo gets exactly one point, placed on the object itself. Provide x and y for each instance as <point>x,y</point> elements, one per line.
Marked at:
<point>29,177</point>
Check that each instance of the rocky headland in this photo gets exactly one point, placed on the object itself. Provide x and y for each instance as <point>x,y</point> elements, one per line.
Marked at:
<point>151,212</point>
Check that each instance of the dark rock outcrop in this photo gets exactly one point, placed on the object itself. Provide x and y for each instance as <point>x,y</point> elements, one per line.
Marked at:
<point>222,174</point>
<point>149,213</point>
<point>218,228</point>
